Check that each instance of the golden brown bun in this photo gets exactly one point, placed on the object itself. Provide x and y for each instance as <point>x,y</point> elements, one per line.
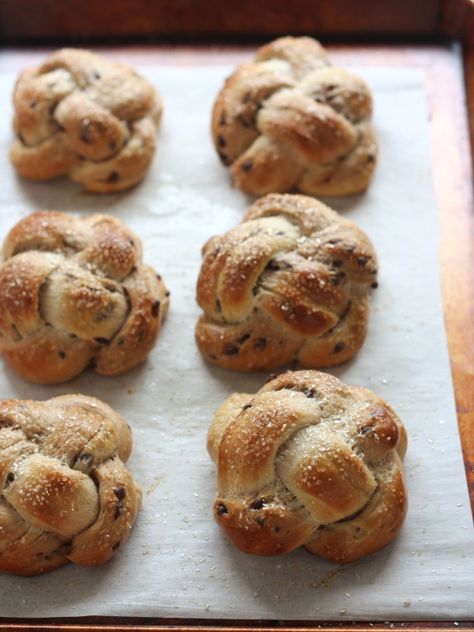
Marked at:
<point>289,120</point>
<point>308,461</point>
<point>82,116</point>
<point>289,284</point>
<point>73,293</point>
<point>66,495</point>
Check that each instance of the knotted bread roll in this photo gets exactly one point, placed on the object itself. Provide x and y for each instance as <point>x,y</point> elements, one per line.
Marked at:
<point>65,493</point>
<point>73,293</point>
<point>82,116</point>
<point>289,120</point>
<point>308,461</point>
<point>290,283</point>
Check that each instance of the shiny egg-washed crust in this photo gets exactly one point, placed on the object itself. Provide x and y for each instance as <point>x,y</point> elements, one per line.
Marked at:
<point>291,283</point>
<point>75,293</point>
<point>65,493</point>
<point>289,121</point>
<point>84,117</point>
<point>308,461</point>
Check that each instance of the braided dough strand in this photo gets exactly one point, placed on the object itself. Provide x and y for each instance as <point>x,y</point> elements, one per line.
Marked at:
<point>289,120</point>
<point>65,493</point>
<point>76,293</point>
<point>308,461</point>
<point>82,116</point>
<point>290,283</point>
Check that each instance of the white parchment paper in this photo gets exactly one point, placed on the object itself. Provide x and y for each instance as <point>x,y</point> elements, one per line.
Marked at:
<point>177,563</point>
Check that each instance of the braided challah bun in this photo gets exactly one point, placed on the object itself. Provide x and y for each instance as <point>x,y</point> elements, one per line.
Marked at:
<point>290,283</point>
<point>82,116</point>
<point>65,493</point>
<point>309,461</point>
<point>75,293</point>
<point>289,120</point>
